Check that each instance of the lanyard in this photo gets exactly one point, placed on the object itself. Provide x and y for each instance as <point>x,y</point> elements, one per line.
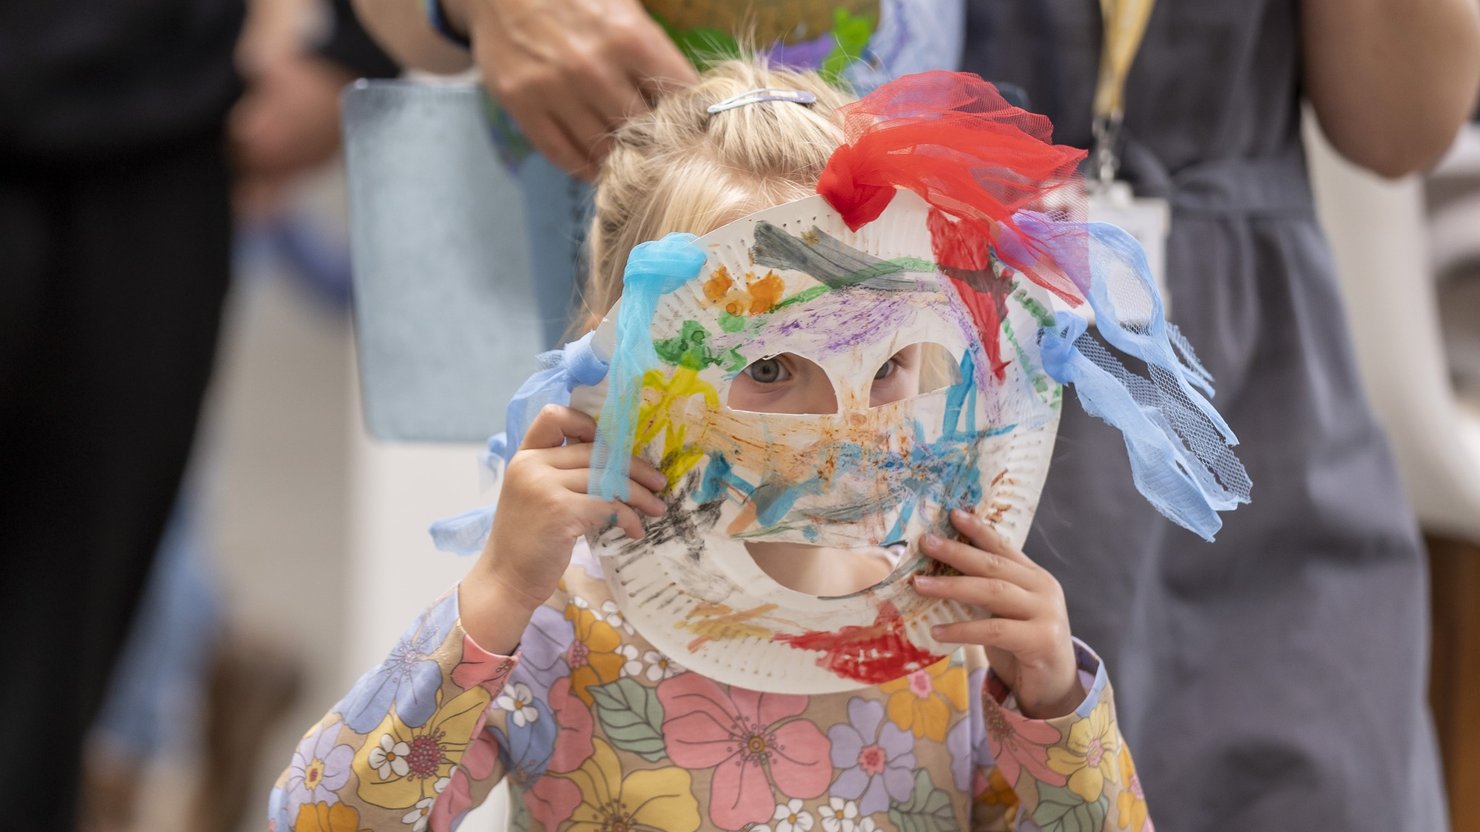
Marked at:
<point>1125,26</point>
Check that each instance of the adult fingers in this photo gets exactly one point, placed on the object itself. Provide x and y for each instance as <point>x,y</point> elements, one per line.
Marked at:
<point>615,97</point>
<point>555,424</point>
<point>654,63</point>
<point>585,128</point>
<point>970,560</point>
<point>549,137</point>
<point>1001,598</point>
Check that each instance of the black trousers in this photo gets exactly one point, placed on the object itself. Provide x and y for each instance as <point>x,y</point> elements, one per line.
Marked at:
<point>112,278</point>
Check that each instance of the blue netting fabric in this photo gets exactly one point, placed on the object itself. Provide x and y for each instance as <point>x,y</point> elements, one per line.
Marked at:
<point>1180,449</point>
<point>653,269</point>
<point>561,371</point>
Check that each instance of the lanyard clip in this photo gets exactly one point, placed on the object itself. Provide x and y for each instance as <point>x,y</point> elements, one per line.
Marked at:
<point>1105,156</point>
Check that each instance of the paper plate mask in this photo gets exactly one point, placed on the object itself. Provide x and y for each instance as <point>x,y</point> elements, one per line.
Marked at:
<point>794,279</point>
<point>946,218</point>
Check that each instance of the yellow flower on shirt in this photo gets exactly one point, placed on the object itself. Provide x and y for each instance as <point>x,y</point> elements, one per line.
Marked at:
<point>1132,801</point>
<point>326,817</point>
<point>592,656</point>
<point>661,800</point>
<point>922,701</point>
<point>1089,754</point>
<point>399,766</point>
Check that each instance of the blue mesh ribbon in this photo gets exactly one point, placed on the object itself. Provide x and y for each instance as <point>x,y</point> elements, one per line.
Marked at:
<point>561,371</point>
<point>653,269</point>
<point>1180,449</point>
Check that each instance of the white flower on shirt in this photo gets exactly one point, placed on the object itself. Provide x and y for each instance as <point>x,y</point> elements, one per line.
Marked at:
<point>789,817</point>
<point>519,702</point>
<point>660,667</point>
<point>840,815</point>
<point>390,757</point>
<point>419,815</point>
<point>633,665</point>
<point>612,614</point>
<point>650,663</point>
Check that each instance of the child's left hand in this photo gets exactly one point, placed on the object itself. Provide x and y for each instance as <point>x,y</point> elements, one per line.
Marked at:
<point>1026,628</point>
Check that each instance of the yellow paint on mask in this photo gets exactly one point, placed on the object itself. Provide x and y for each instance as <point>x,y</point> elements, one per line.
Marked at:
<point>655,418</point>
<point>718,622</point>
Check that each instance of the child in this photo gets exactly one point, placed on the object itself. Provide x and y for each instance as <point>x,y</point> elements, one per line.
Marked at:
<point>528,670</point>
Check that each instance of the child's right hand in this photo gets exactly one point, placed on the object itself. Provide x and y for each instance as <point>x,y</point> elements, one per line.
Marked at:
<point>543,508</point>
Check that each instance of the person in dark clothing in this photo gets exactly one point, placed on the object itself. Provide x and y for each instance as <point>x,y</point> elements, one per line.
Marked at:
<point>115,232</point>
<point>115,241</point>
<point>1305,627</point>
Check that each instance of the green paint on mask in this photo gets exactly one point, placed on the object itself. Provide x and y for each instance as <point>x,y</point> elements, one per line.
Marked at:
<point>690,349</point>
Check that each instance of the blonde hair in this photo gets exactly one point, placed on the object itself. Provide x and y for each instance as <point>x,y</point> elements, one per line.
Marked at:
<point>679,168</point>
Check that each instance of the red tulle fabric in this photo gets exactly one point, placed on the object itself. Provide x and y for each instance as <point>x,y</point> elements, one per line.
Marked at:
<point>977,160</point>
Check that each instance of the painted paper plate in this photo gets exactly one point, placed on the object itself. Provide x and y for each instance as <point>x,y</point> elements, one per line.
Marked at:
<point>979,434</point>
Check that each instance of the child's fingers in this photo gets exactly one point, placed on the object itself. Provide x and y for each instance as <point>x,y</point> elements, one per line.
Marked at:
<point>578,457</point>
<point>639,496</point>
<point>1015,637</point>
<point>565,457</point>
<point>646,473</point>
<point>555,424</point>
<point>1001,598</point>
<point>984,536</point>
<point>618,514</point>
<point>969,560</point>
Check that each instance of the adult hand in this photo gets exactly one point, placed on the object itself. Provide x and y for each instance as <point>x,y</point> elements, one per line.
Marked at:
<point>570,71</point>
<point>1026,634</point>
<point>286,124</point>
<point>288,120</point>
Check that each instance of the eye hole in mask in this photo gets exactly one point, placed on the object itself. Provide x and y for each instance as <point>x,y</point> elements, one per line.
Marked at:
<point>916,370</point>
<point>785,383</point>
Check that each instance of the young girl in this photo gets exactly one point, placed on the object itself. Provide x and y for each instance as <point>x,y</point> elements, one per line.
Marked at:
<point>528,671</point>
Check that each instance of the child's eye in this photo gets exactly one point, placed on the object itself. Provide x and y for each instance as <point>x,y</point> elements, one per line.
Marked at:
<point>887,370</point>
<point>767,371</point>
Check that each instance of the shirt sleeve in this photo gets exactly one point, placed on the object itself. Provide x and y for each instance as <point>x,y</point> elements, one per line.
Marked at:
<point>406,743</point>
<point>1074,772</point>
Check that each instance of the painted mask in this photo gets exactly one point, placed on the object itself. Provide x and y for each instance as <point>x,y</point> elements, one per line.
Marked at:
<point>795,280</point>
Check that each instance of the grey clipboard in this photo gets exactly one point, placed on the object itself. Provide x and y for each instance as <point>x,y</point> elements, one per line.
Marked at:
<point>446,325</point>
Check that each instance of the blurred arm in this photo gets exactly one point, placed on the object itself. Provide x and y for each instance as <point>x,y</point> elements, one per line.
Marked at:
<point>1391,81</point>
<point>401,28</point>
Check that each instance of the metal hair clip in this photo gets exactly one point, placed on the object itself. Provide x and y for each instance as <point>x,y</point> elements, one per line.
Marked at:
<point>756,96</point>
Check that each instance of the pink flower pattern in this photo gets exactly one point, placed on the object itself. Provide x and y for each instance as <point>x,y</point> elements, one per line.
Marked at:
<point>753,741</point>
<point>1018,743</point>
<point>457,799</point>
<point>732,755</point>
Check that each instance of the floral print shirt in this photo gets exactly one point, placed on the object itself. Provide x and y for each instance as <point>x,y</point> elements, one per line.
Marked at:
<point>594,729</point>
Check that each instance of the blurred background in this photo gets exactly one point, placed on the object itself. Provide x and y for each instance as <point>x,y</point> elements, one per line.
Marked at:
<point>298,551</point>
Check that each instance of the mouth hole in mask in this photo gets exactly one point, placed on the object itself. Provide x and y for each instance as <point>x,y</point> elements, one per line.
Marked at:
<point>827,571</point>
<point>784,383</point>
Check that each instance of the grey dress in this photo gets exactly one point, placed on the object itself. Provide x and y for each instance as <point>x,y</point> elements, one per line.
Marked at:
<point>1275,679</point>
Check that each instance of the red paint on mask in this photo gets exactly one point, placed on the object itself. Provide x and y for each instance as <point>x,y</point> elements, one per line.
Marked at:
<point>872,654</point>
